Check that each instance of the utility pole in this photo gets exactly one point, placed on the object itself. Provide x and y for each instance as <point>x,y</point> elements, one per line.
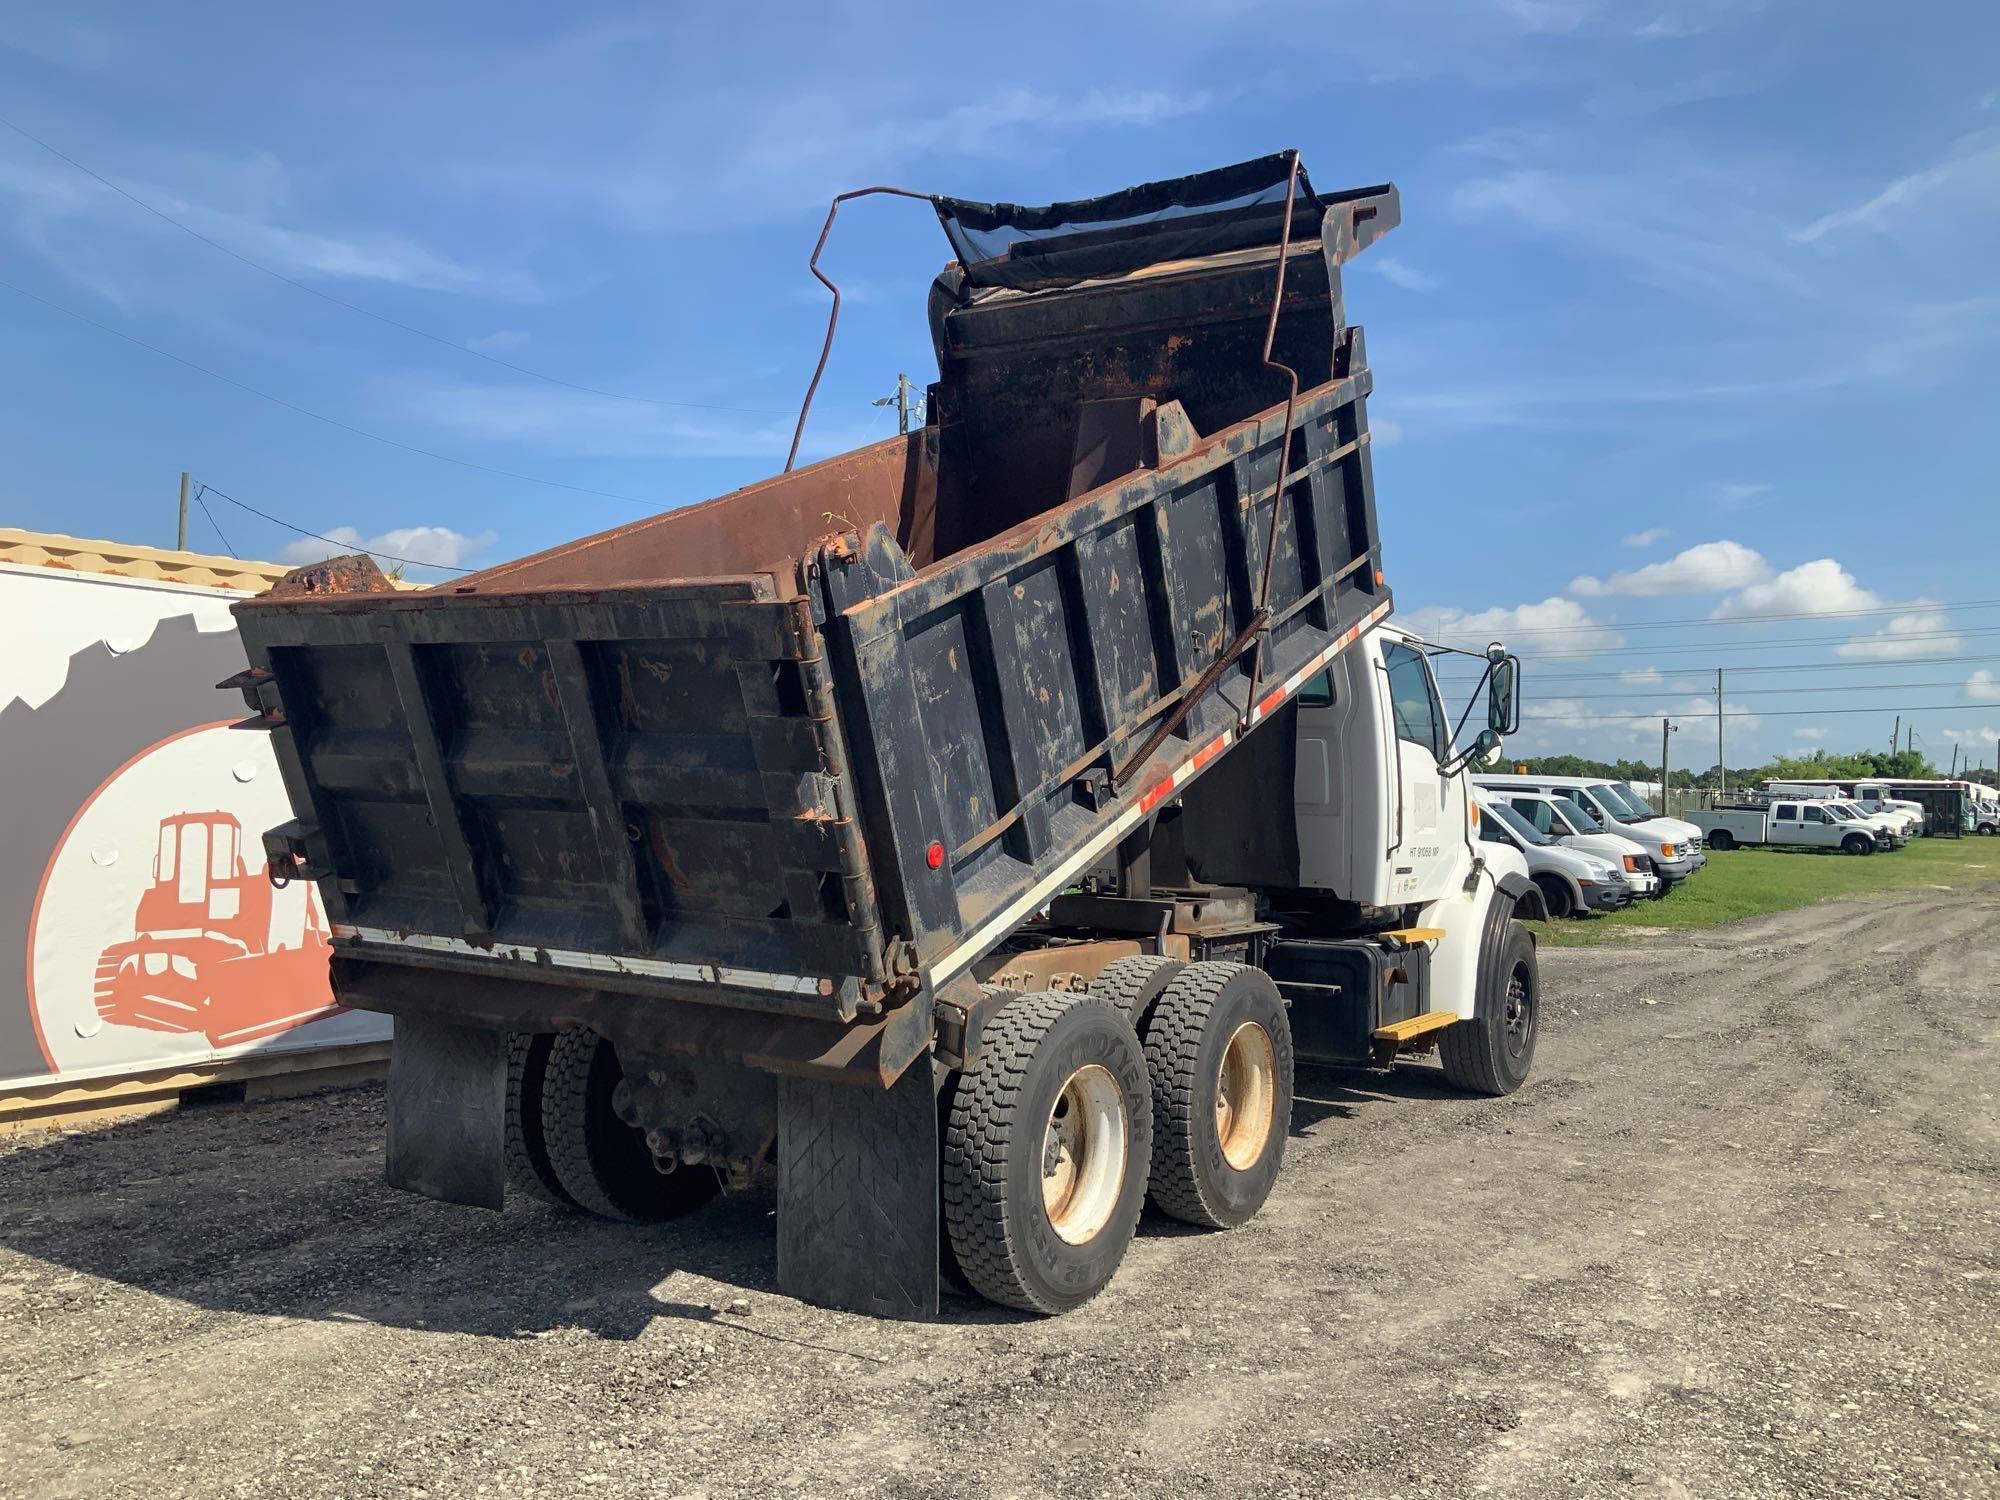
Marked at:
<point>1895,734</point>
<point>901,401</point>
<point>1666,805</point>
<point>1721,765</point>
<point>1954,762</point>
<point>181,534</point>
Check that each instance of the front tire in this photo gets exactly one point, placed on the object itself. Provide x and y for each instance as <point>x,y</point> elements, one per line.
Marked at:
<point>601,1162</point>
<point>1491,1051</point>
<point>1046,1142</point>
<point>1219,1050</point>
<point>1854,843</point>
<point>1556,898</point>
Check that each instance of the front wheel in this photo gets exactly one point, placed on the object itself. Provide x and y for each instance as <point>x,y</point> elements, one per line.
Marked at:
<point>1046,1142</point>
<point>1556,898</point>
<point>1854,843</point>
<point>1722,838</point>
<point>1491,1051</point>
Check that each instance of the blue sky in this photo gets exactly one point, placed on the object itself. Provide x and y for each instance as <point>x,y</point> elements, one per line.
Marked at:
<point>1691,320</point>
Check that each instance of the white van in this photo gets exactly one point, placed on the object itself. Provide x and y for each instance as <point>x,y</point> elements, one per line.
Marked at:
<point>1569,825</point>
<point>1674,845</point>
<point>1572,880</point>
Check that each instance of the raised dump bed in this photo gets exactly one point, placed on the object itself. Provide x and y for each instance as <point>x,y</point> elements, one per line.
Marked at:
<point>822,741</point>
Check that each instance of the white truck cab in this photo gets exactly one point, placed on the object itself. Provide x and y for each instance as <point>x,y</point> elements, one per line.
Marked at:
<point>1675,846</point>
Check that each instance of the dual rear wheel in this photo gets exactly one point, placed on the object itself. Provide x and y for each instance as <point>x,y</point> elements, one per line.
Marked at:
<point>1167,1081</point>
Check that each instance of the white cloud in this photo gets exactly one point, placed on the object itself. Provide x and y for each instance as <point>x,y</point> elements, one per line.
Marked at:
<point>1384,432</point>
<point>1808,734</point>
<point>1643,677</point>
<point>1554,628</point>
<point>498,341</point>
<point>1969,172</point>
<point>242,203</point>
<point>424,546</point>
<point>1399,273</point>
<point>1984,686</point>
<point>1923,632</point>
<point>1733,494</point>
<point>1985,736</point>
<point>579,423</point>
<point>1706,568</point>
<point>1821,586</point>
<point>1651,536</point>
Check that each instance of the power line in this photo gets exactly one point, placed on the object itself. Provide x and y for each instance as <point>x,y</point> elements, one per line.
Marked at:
<point>330,541</point>
<point>1783,666</point>
<point>1746,713</point>
<point>368,312</point>
<point>305,411</point>
<point>1756,692</point>
<point>1913,637</point>
<point>211,521</point>
<point>1927,607</point>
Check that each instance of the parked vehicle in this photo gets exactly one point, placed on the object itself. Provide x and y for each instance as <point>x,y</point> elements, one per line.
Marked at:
<point>1871,797</point>
<point>1569,825</point>
<point>1572,881</point>
<point>1986,817</point>
<point>1946,807</point>
<point>917,822</point>
<point>1808,823</point>
<point>1675,846</point>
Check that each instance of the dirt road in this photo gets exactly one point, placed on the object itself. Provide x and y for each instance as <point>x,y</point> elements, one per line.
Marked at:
<point>1739,1236</point>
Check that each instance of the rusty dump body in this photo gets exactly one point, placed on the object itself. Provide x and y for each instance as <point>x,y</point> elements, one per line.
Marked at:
<point>761,778</point>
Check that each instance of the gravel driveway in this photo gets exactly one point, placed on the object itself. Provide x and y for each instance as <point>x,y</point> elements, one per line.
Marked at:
<point>1739,1236</point>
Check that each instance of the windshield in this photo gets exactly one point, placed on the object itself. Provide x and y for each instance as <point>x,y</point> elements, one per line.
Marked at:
<point>1579,820</point>
<point>1615,803</point>
<point>1633,800</point>
<point>1845,814</point>
<point>1519,826</point>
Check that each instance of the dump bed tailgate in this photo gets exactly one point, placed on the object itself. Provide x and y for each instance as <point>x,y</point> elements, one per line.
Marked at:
<point>635,786</point>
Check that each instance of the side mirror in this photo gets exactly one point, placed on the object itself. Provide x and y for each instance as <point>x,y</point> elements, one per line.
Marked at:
<point>1503,696</point>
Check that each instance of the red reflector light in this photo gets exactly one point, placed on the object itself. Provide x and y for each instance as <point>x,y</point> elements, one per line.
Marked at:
<point>934,856</point>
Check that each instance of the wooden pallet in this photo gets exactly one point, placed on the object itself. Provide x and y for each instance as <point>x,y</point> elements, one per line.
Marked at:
<point>74,1103</point>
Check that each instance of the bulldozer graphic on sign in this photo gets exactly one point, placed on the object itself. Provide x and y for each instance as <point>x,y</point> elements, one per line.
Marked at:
<point>203,957</point>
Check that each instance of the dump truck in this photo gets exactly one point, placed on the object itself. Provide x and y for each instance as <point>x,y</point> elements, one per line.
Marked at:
<point>967,833</point>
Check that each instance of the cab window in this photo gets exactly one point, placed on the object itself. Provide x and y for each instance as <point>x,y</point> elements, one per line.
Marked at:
<point>1786,813</point>
<point>1537,812</point>
<point>1318,691</point>
<point>1413,699</point>
<point>1816,815</point>
<point>1492,831</point>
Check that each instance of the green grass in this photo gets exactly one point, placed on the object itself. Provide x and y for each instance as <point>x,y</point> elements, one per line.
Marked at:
<point>1750,882</point>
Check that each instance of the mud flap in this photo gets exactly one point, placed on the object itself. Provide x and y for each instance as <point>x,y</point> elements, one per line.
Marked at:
<point>448,1112</point>
<point>858,1195</point>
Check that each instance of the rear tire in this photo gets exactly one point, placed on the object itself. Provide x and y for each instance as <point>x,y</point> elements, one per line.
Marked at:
<point>1556,898</point>
<point>1492,1050</point>
<point>528,1167</point>
<point>601,1162</point>
<point>1135,985</point>
<point>1722,838</point>
<point>1220,1054</point>
<point>1046,1142</point>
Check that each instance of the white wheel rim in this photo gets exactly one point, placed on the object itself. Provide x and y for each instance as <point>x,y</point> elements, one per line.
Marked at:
<point>1246,1095</point>
<point>1083,1154</point>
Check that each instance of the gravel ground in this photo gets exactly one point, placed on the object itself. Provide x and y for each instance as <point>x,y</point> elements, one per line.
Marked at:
<point>1738,1237</point>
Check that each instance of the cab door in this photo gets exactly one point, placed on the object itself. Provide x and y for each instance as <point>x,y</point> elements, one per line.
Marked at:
<point>1427,813</point>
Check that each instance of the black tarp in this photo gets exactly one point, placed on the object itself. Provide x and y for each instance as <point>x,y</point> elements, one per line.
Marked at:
<point>1059,244</point>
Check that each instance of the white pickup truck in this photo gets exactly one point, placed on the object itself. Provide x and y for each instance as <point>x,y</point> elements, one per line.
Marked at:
<point>1810,823</point>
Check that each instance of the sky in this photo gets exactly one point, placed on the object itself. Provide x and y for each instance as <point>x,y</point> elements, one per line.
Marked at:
<point>1684,351</point>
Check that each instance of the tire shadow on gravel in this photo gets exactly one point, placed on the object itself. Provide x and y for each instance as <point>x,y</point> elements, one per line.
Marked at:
<point>1322,1091</point>
<point>282,1211</point>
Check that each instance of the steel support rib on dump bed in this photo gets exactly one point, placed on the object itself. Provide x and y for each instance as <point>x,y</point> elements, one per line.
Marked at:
<point>990,697</point>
